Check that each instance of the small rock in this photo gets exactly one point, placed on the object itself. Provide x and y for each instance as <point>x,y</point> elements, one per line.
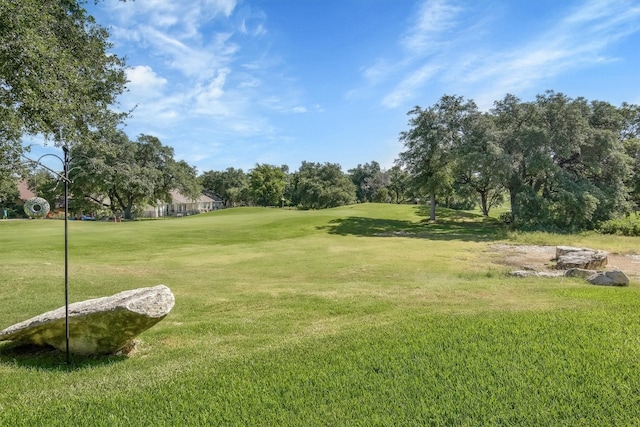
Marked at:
<point>532,273</point>
<point>522,273</point>
<point>609,278</point>
<point>578,272</point>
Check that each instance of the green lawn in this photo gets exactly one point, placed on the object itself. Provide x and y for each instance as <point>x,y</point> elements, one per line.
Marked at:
<point>362,315</point>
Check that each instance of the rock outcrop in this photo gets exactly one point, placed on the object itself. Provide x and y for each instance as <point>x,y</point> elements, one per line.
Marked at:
<point>609,278</point>
<point>533,273</point>
<point>579,272</point>
<point>588,259</point>
<point>96,326</point>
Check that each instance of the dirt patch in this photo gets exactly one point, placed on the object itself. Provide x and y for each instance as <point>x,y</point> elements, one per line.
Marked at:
<point>541,258</point>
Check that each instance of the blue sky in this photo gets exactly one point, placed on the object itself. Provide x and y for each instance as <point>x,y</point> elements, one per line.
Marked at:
<point>232,83</point>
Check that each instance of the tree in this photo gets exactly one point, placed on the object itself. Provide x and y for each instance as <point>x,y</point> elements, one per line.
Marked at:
<point>319,186</point>
<point>44,184</point>
<point>130,174</point>
<point>630,137</point>
<point>10,166</point>
<point>365,178</point>
<point>8,194</point>
<point>231,184</point>
<point>429,142</point>
<point>57,78</point>
<point>378,184</point>
<point>519,140</point>
<point>267,184</point>
<point>398,183</point>
<point>567,166</point>
<point>479,163</point>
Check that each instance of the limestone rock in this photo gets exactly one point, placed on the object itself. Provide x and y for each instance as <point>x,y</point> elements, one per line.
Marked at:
<point>587,259</point>
<point>609,278</point>
<point>563,250</point>
<point>522,273</point>
<point>533,273</point>
<point>578,272</point>
<point>96,326</point>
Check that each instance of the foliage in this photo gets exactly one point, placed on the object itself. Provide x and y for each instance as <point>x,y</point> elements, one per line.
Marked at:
<point>267,184</point>
<point>630,136</point>
<point>231,185</point>
<point>429,144</point>
<point>479,164</point>
<point>8,189</point>
<point>623,226</point>
<point>9,197</point>
<point>566,164</point>
<point>44,184</point>
<point>369,180</point>
<point>320,186</point>
<point>11,167</point>
<point>57,76</point>
<point>398,183</point>
<point>567,159</point>
<point>123,175</point>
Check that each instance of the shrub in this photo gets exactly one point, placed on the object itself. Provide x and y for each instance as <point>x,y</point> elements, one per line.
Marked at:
<point>625,226</point>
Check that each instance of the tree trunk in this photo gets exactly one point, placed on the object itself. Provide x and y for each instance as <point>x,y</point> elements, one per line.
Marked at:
<point>432,213</point>
<point>483,203</point>
<point>512,198</point>
<point>127,211</point>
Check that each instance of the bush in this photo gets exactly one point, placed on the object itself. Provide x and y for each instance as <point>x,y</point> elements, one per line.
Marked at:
<point>625,226</point>
<point>506,217</point>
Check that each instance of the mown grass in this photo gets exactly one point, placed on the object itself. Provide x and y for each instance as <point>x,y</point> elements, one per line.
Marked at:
<point>362,315</point>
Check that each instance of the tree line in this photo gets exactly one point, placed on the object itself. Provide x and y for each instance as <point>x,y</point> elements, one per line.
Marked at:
<point>558,162</point>
<point>561,162</point>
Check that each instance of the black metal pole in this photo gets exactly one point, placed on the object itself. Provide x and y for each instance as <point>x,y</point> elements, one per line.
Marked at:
<point>66,248</point>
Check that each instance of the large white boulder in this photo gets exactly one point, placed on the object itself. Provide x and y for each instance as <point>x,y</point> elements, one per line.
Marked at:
<point>96,326</point>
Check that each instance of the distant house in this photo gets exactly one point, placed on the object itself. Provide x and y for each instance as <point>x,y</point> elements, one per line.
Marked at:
<point>25,192</point>
<point>182,205</point>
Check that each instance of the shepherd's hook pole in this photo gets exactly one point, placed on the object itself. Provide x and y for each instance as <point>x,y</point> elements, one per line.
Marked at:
<point>66,248</point>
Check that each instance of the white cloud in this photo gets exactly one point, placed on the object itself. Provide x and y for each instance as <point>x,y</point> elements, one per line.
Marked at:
<point>575,41</point>
<point>435,18</point>
<point>408,87</point>
<point>444,50</point>
<point>208,100</point>
<point>144,82</point>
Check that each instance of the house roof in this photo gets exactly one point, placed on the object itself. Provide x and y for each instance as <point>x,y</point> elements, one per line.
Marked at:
<point>25,193</point>
<point>177,197</point>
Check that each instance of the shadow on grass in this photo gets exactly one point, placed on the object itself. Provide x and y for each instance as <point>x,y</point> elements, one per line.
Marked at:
<point>449,225</point>
<point>48,358</point>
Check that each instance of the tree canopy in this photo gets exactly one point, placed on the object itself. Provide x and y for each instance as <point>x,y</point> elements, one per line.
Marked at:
<point>565,163</point>
<point>231,185</point>
<point>429,143</point>
<point>267,184</point>
<point>121,174</point>
<point>57,76</point>
<point>319,186</point>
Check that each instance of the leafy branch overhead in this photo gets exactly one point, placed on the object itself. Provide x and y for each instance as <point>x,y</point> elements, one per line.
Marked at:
<point>57,76</point>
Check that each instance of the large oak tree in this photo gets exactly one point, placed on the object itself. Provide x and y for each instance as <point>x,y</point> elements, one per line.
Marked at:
<point>429,143</point>
<point>131,174</point>
<point>57,76</point>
